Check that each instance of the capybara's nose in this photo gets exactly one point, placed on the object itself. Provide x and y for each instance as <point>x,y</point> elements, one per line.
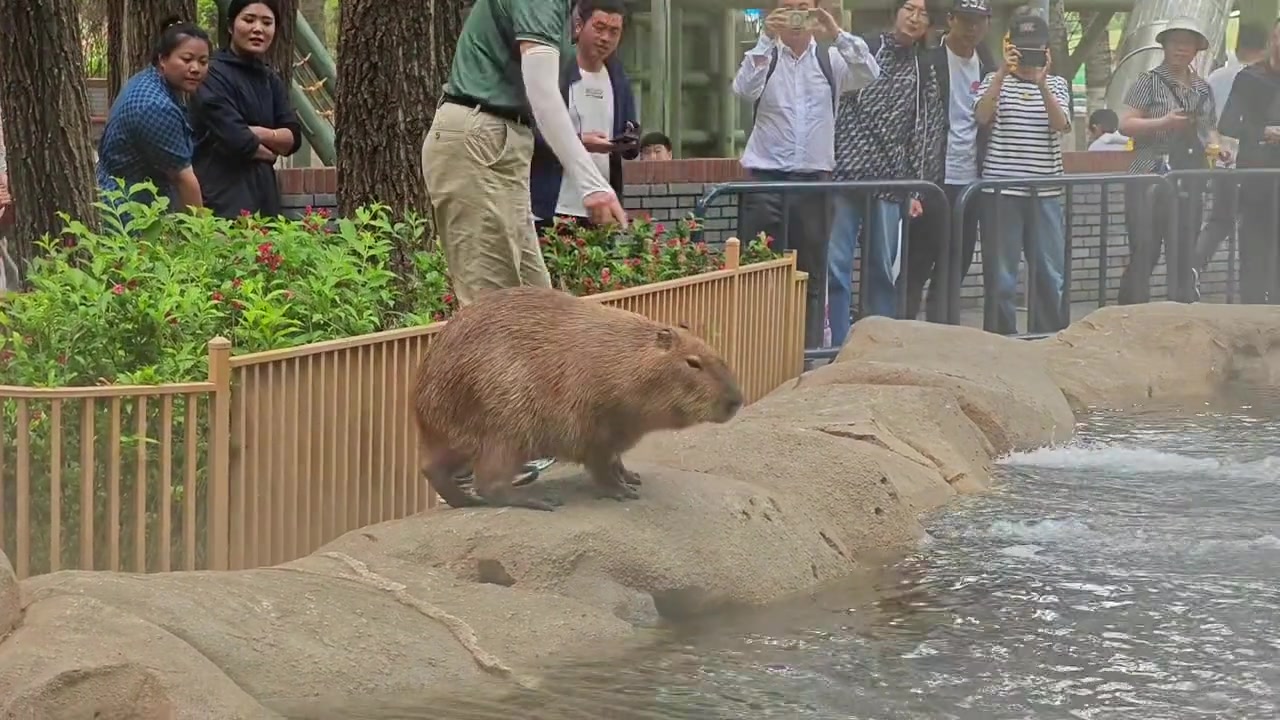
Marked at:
<point>732,406</point>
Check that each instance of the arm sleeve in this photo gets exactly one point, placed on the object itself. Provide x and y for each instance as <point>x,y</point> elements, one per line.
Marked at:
<point>1062,94</point>
<point>1141,93</point>
<point>1232,124</point>
<point>749,82</point>
<point>983,87</point>
<point>164,139</point>
<point>215,115</point>
<point>540,67</point>
<point>861,68</point>
<point>285,116</point>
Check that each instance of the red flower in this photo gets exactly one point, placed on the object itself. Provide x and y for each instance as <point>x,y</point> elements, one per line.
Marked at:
<point>323,212</point>
<point>62,359</point>
<point>605,276</point>
<point>217,296</point>
<point>245,213</point>
<point>237,304</point>
<point>236,283</point>
<point>659,229</point>
<point>448,299</point>
<point>768,241</point>
<point>118,289</point>
<point>288,294</point>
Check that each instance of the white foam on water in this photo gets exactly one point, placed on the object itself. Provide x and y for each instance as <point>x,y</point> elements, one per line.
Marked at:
<point>1127,460</point>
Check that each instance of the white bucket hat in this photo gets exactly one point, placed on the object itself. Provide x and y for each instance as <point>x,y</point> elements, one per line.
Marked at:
<point>1185,24</point>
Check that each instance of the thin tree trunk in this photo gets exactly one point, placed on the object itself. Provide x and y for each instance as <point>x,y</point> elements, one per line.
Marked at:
<point>386,96</point>
<point>46,119</point>
<point>313,11</point>
<point>117,68</point>
<point>1097,68</point>
<point>281,53</point>
<point>1058,37</point>
<point>144,20</point>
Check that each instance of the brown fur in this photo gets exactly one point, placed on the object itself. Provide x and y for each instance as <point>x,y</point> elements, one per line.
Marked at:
<point>524,373</point>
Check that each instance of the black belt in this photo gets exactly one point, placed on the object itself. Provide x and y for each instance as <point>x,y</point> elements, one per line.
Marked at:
<point>514,116</point>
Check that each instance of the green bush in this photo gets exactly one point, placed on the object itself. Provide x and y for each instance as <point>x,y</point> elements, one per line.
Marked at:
<point>136,302</point>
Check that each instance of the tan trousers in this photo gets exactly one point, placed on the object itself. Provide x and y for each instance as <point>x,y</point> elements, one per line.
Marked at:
<point>476,166</point>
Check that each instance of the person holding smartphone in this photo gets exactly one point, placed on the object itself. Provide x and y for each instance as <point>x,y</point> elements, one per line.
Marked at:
<point>1027,110</point>
<point>602,107</point>
<point>1170,114</point>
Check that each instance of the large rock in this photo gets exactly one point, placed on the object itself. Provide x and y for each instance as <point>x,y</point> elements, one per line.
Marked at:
<point>10,598</point>
<point>820,479</point>
<point>1002,384</point>
<point>1123,356</point>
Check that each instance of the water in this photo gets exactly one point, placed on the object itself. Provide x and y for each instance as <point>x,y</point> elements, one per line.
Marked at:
<point>1132,576</point>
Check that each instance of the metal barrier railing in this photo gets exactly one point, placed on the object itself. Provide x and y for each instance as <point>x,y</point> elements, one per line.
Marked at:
<point>932,196</point>
<point>1255,276</point>
<point>991,243</point>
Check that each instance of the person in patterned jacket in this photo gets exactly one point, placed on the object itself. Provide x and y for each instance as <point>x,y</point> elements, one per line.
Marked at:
<point>891,129</point>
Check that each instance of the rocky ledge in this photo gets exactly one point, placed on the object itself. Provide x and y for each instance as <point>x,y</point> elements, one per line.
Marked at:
<point>814,482</point>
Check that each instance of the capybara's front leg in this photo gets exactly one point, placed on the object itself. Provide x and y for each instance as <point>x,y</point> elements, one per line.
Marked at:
<point>440,468</point>
<point>610,478</point>
<point>630,477</point>
<point>493,476</point>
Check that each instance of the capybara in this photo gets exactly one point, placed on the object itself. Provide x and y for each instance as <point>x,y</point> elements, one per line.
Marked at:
<point>523,373</point>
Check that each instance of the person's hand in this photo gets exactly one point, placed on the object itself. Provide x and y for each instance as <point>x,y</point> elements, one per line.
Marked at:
<point>827,28</point>
<point>604,208</point>
<point>1175,120</point>
<point>775,22</point>
<point>597,142</point>
<point>1011,58</point>
<point>915,209</point>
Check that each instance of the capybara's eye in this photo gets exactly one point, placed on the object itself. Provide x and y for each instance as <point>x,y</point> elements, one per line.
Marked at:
<point>693,362</point>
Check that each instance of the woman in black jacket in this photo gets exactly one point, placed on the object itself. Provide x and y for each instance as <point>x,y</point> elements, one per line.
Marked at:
<point>1252,116</point>
<point>242,118</point>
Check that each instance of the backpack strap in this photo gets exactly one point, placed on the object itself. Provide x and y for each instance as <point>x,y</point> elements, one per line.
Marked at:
<point>773,64</point>
<point>823,54</point>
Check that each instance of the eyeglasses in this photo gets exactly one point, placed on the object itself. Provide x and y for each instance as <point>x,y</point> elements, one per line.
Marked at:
<point>915,11</point>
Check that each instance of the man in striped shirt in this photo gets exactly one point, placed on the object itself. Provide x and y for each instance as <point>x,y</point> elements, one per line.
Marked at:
<point>1027,111</point>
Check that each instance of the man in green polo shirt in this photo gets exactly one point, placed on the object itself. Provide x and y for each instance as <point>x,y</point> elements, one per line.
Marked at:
<point>476,156</point>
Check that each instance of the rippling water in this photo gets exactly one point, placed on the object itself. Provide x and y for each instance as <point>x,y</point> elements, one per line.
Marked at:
<point>1134,575</point>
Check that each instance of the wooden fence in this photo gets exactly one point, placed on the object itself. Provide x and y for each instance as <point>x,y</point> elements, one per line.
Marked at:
<point>279,452</point>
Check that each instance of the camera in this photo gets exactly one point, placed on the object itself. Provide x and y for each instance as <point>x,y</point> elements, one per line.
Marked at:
<point>1032,57</point>
<point>798,19</point>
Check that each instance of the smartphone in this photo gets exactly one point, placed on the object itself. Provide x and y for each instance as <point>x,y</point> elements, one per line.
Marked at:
<point>798,19</point>
<point>625,140</point>
<point>1032,57</point>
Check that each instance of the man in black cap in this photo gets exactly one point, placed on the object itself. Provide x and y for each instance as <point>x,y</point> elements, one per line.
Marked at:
<point>1027,111</point>
<point>960,62</point>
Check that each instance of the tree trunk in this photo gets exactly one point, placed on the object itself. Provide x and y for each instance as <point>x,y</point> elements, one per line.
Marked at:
<point>281,54</point>
<point>143,24</point>
<point>46,119</point>
<point>386,96</point>
<point>117,69</point>
<point>1097,68</point>
<point>1058,37</point>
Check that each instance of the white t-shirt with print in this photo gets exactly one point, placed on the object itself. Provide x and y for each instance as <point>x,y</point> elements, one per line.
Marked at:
<point>962,139</point>
<point>591,109</point>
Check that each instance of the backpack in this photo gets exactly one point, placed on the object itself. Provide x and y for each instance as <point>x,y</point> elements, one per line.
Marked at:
<point>823,53</point>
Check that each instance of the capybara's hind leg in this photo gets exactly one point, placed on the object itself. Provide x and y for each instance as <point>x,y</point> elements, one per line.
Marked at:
<point>493,474</point>
<point>441,468</point>
<point>610,478</point>
<point>630,477</point>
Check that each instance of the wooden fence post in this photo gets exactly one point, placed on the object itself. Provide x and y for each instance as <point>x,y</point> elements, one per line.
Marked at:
<point>733,261</point>
<point>219,453</point>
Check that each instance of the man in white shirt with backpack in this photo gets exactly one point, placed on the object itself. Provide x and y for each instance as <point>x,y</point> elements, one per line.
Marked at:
<point>795,75</point>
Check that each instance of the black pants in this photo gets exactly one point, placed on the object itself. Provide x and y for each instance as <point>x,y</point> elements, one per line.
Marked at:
<point>805,227</point>
<point>925,247</point>
<point>1220,223</point>
<point>1149,231</point>
<point>1259,254</point>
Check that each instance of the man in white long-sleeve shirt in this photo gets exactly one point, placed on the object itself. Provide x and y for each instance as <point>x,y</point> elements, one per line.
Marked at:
<point>476,156</point>
<point>795,74</point>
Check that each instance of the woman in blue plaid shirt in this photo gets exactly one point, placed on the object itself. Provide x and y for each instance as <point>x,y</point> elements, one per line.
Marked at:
<point>147,137</point>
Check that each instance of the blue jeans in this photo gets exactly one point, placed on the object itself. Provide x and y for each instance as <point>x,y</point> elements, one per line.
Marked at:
<point>1025,226</point>
<point>878,254</point>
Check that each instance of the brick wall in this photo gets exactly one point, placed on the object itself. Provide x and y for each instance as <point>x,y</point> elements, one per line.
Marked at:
<point>669,190</point>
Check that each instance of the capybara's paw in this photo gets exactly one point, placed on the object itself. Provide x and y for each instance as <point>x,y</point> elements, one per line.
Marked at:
<point>468,500</point>
<point>631,477</point>
<point>620,492</point>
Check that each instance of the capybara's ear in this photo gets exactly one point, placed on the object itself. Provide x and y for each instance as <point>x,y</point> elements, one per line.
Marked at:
<point>666,338</point>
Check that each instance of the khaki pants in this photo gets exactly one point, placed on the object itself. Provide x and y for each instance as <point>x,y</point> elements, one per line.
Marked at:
<point>476,166</point>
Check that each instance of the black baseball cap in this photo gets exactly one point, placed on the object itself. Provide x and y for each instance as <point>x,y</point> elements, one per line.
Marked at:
<point>1029,31</point>
<point>972,7</point>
